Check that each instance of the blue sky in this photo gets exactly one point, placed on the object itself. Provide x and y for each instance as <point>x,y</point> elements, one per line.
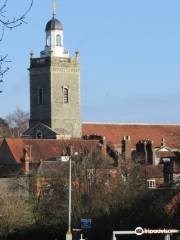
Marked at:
<point>130,57</point>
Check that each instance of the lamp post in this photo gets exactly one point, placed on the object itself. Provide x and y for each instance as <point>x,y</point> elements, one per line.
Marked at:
<point>69,232</point>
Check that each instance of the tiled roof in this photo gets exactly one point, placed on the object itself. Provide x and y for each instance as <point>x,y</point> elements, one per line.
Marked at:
<point>151,171</point>
<point>177,168</point>
<point>155,171</point>
<point>42,149</point>
<point>49,167</point>
<point>165,154</point>
<point>114,133</point>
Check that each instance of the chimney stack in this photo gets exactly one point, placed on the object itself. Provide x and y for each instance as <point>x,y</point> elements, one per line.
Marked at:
<point>26,160</point>
<point>163,143</point>
<point>126,148</point>
<point>104,145</point>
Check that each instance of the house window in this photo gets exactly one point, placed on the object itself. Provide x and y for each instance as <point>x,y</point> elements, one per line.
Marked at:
<point>58,40</point>
<point>151,183</point>
<point>40,96</point>
<point>66,95</point>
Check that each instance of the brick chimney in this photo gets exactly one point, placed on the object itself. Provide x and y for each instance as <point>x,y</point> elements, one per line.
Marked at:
<point>126,148</point>
<point>153,153</point>
<point>26,160</point>
<point>163,143</point>
<point>104,145</point>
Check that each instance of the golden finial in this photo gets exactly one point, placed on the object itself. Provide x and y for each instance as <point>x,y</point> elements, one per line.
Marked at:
<point>55,6</point>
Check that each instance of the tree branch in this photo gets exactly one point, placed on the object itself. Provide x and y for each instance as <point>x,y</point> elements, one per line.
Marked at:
<point>8,23</point>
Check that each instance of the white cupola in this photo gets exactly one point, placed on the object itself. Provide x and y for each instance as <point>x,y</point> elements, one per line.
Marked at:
<point>54,39</point>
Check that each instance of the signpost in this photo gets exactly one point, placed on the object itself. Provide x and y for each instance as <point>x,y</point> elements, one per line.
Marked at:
<point>140,231</point>
<point>86,223</point>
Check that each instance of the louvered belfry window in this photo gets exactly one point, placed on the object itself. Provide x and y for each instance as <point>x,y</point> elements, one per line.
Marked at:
<point>40,96</point>
<point>66,95</point>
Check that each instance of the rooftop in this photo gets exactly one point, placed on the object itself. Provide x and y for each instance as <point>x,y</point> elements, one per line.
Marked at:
<point>114,133</point>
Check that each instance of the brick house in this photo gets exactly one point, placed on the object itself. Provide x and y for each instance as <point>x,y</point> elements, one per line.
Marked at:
<point>155,146</point>
<point>21,157</point>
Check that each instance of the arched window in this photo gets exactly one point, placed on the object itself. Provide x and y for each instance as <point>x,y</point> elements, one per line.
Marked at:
<point>39,134</point>
<point>58,40</point>
<point>40,96</point>
<point>48,40</point>
<point>66,95</point>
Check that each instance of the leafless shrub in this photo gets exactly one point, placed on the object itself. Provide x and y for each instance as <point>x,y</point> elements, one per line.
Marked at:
<point>18,122</point>
<point>15,212</point>
<point>7,22</point>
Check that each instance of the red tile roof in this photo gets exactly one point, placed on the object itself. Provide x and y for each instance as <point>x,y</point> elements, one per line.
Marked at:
<point>155,171</point>
<point>177,168</point>
<point>165,154</point>
<point>114,133</point>
<point>45,148</point>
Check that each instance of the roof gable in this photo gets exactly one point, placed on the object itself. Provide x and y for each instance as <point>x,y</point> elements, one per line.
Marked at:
<point>6,153</point>
<point>39,127</point>
<point>47,132</point>
<point>16,147</point>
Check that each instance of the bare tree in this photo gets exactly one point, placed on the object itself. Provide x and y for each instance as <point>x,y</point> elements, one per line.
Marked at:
<point>92,182</point>
<point>18,122</point>
<point>89,192</point>
<point>15,212</point>
<point>9,23</point>
<point>111,197</point>
<point>4,128</point>
<point>50,195</point>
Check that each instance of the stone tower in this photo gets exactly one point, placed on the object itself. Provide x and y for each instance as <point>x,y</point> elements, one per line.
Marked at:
<point>54,88</point>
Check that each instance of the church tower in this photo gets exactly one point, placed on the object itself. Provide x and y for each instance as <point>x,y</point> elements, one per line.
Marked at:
<point>54,88</point>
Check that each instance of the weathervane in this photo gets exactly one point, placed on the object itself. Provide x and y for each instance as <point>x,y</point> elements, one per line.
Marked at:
<point>55,6</point>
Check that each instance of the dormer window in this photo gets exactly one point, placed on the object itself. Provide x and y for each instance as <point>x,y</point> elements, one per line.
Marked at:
<point>40,96</point>
<point>66,95</point>
<point>58,40</point>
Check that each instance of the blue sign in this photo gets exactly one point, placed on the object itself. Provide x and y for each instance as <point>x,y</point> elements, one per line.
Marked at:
<point>86,223</point>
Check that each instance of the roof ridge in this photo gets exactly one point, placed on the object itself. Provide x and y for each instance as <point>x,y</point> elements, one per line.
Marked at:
<point>138,124</point>
<point>10,147</point>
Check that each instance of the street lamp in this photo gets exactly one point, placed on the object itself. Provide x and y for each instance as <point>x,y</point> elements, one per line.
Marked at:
<point>69,232</point>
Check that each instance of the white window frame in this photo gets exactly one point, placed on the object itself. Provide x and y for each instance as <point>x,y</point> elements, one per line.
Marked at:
<point>151,183</point>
